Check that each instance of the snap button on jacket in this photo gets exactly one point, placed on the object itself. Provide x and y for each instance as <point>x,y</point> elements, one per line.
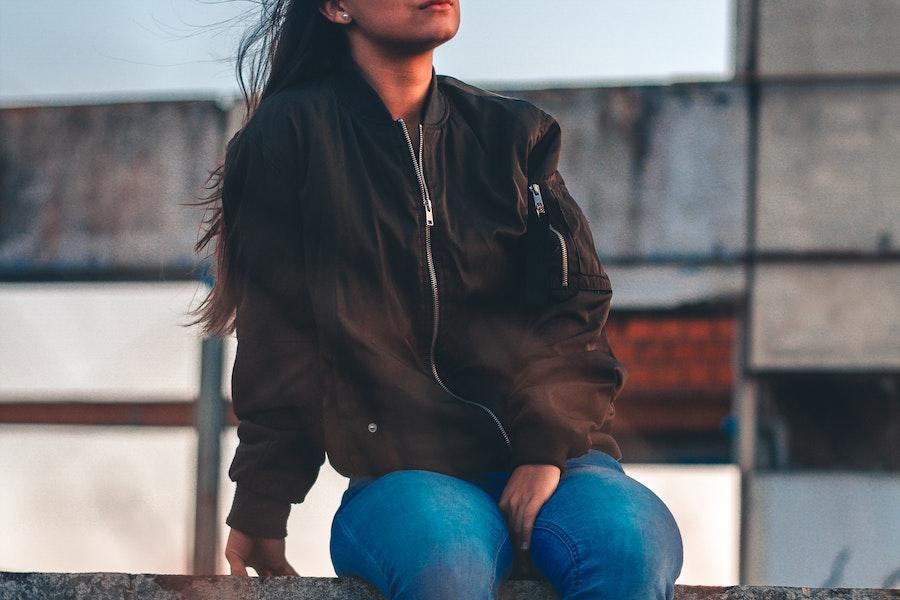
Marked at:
<point>423,298</point>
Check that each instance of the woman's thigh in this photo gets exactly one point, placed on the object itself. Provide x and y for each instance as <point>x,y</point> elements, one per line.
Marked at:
<point>421,534</point>
<point>603,534</point>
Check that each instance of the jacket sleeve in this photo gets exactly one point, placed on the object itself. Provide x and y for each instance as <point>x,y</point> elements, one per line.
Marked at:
<point>276,387</point>
<point>561,400</point>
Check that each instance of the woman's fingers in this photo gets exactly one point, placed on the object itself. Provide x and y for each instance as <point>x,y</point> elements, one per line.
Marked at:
<point>263,555</point>
<point>236,563</point>
<point>528,488</point>
<point>509,506</point>
<point>522,525</point>
<point>237,549</point>
<point>262,571</point>
<point>529,514</point>
<point>281,568</point>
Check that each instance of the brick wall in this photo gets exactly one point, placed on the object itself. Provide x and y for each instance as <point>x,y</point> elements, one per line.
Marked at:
<point>680,370</point>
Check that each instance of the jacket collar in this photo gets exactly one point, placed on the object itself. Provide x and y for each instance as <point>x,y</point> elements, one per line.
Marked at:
<point>355,91</point>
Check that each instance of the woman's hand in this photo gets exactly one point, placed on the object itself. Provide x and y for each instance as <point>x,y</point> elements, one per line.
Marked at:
<point>528,488</point>
<point>265,555</point>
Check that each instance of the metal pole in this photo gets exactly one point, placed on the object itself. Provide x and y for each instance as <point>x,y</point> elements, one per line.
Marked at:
<point>747,395</point>
<point>209,419</point>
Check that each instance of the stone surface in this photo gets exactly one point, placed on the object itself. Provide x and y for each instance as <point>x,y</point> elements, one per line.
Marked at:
<point>146,586</point>
<point>63,586</point>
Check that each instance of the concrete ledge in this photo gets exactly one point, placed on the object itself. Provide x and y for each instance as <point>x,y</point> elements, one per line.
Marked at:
<point>147,586</point>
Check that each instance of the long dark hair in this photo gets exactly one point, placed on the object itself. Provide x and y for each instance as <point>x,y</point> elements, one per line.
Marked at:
<point>292,42</point>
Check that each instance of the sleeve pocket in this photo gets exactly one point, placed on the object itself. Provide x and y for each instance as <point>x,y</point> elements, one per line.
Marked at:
<point>572,260</point>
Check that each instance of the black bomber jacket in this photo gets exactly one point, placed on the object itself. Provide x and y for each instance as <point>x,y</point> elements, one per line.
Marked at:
<point>436,306</point>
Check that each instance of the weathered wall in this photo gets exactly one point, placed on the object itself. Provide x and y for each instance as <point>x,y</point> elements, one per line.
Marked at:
<point>659,171</point>
<point>803,531</point>
<point>827,182</point>
<point>828,176</point>
<point>99,186</point>
<point>826,316</point>
<point>829,36</point>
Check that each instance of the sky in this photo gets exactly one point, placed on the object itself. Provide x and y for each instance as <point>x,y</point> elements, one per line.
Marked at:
<point>58,51</point>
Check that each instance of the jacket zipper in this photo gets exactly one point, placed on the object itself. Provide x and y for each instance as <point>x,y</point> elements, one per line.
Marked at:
<point>535,190</point>
<point>429,221</point>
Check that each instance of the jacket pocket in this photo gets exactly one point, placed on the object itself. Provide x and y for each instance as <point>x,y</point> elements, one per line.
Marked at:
<point>562,258</point>
<point>570,258</point>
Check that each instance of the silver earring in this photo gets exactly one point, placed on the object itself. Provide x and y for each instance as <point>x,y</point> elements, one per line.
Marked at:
<point>345,16</point>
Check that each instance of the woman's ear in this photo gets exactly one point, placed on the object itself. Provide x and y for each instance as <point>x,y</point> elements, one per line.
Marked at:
<point>333,10</point>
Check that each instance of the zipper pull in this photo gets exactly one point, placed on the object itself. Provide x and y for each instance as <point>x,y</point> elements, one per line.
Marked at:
<point>535,190</point>
<point>429,215</point>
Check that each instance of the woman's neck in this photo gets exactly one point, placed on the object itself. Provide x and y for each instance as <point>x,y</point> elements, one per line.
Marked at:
<point>401,81</point>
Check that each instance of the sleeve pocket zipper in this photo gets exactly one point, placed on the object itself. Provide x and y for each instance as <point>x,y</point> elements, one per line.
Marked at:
<point>535,191</point>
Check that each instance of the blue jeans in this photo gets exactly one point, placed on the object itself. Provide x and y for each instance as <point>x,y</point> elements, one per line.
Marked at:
<point>417,534</point>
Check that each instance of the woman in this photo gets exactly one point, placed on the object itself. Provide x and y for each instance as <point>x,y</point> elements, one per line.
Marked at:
<point>416,294</point>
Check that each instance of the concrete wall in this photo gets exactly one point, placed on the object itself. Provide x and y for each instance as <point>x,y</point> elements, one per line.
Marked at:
<point>828,176</point>
<point>99,186</point>
<point>829,36</point>
<point>659,171</point>
<point>824,529</point>
<point>827,183</point>
<point>827,316</point>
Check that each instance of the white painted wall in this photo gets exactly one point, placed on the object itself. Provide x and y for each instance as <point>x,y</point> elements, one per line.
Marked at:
<point>96,498</point>
<point>824,529</point>
<point>121,499</point>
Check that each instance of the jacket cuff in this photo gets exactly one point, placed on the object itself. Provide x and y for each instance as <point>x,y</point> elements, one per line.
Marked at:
<point>536,445</point>
<point>258,515</point>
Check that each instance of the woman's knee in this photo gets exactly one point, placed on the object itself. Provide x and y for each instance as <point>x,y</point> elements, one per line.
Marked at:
<point>428,533</point>
<point>465,568</point>
<point>452,559</point>
<point>639,528</point>
<point>617,531</point>
<point>643,556</point>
